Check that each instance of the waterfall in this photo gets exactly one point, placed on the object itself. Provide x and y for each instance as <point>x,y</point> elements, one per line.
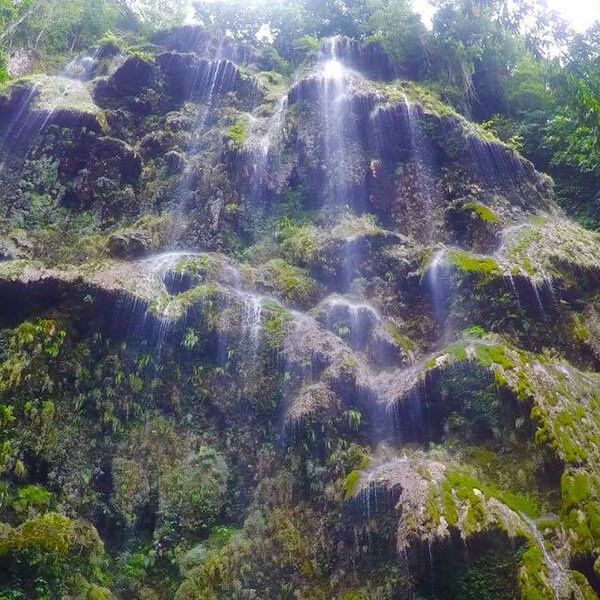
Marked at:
<point>422,158</point>
<point>252,324</point>
<point>262,155</point>
<point>352,320</point>
<point>438,286</point>
<point>510,237</point>
<point>251,315</point>
<point>556,573</point>
<point>164,282</point>
<point>274,128</point>
<point>211,78</point>
<point>336,112</point>
<point>495,162</point>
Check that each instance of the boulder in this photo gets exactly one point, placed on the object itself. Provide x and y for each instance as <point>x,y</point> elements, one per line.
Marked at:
<point>129,244</point>
<point>134,75</point>
<point>107,50</point>
<point>115,159</point>
<point>29,105</point>
<point>157,143</point>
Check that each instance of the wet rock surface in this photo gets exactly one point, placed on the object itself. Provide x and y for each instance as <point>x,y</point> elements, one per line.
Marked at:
<point>317,331</point>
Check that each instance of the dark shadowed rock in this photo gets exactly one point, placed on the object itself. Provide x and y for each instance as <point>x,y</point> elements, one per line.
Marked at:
<point>157,143</point>
<point>175,162</point>
<point>129,244</point>
<point>107,50</point>
<point>133,76</point>
<point>113,157</point>
<point>368,58</point>
<point>187,76</point>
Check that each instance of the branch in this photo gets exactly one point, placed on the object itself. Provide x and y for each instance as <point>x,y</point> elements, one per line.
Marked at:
<point>14,26</point>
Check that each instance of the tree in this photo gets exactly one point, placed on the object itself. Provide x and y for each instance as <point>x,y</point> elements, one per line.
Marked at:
<point>60,27</point>
<point>402,33</point>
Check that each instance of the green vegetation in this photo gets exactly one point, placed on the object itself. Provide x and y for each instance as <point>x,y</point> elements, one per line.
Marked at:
<point>238,132</point>
<point>359,364</point>
<point>465,262</point>
<point>484,213</point>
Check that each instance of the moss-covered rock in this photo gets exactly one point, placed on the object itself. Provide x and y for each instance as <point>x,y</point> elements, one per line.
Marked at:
<point>45,99</point>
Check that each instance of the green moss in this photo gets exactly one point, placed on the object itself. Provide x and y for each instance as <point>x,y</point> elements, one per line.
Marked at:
<point>584,586</point>
<point>464,485</point>
<point>575,489</point>
<point>547,524</point>
<point>238,132</point>
<point>518,502</point>
<point>578,327</point>
<point>532,576</point>
<point>473,264</point>
<point>351,483</point>
<point>354,596</point>
<point>301,244</point>
<point>402,340</point>
<point>485,214</point>
<point>54,534</point>
<point>419,93</point>
<point>32,499</point>
<point>292,284</point>
<point>96,592</point>
<point>275,325</point>
<point>59,94</point>
<point>489,355</point>
<point>449,504</point>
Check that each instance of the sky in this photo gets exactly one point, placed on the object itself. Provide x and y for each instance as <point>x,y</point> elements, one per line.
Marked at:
<point>581,13</point>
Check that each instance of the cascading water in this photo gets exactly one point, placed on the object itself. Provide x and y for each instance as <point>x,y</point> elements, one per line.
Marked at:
<point>163,282</point>
<point>250,306</point>
<point>163,268</point>
<point>211,78</point>
<point>274,128</point>
<point>342,367</point>
<point>555,569</point>
<point>336,115</point>
<point>494,161</point>
<point>353,321</point>
<point>510,236</point>
<point>253,320</point>
<point>18,122</point>
<point>108,57</point>
<point>342,147</point>
<point>422,159</point>
<point>166,278</point>
<point>437,283</point>
<point>262,155</point>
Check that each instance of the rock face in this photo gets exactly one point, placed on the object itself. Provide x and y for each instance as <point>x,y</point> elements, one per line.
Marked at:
<point>134,75</point>
<point>30,104</point>
<point>319,338</point>
<point>129,244</point>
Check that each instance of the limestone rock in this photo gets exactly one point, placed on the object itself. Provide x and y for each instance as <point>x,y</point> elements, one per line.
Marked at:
<point>28,105</point>
<point>129,244</point>
<point>133,76</point>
